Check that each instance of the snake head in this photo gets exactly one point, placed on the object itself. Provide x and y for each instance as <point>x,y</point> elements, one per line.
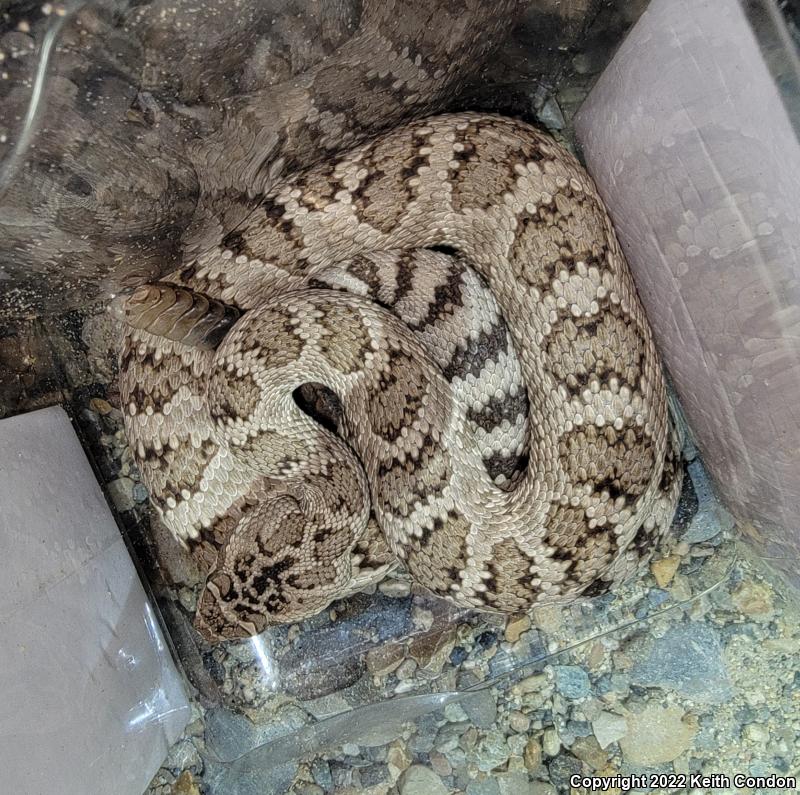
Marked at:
<point>278,566</point>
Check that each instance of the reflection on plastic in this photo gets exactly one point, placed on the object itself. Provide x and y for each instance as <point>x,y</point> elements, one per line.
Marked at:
<point>349,726</point>
<point>16,157</point>
<point>264,656</point>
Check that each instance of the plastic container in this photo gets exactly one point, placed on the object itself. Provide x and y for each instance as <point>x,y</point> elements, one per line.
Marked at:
<point>111,111</point>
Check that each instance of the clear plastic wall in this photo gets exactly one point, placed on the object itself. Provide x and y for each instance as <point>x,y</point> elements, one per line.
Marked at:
<point>691,134</point>
<point>131,131</point>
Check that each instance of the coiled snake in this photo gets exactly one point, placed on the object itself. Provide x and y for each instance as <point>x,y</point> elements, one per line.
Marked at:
<point>500,407</point>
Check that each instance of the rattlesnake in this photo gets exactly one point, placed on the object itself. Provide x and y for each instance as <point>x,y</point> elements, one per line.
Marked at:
<point>517,461</point>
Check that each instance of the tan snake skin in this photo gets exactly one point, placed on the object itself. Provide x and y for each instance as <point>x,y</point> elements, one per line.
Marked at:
<point>513,445</point>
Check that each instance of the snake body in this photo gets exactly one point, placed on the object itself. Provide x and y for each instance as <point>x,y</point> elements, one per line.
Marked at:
<point>501,414</point>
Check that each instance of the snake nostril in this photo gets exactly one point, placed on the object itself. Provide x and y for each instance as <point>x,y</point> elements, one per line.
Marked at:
<point>321,403</point>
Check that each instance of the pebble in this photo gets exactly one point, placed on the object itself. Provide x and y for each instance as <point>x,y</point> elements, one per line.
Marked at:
<point>561,769</point>
<point>664,569</point>
<point>609,728</point>
<point>305,788</point>
<point>406,669</point>
<point>468,739</point>
<point>383,660</point>
<point>756,733</point>
<point>432,650</point>
<point>491,751</point>
<point>375,775</point>
<point>321,771</point>
<point>121,493</point>
<point>100,406</point>
<point>753,599</point>
<point>481,708</point>
<point>420,780</point>
<point>139,492</point>
<point>422,617</point>
<point>532,755</point>
<point>185,785</point>
<point>439,764</point>
<point>513,783</point>
<point>551,742</point>
<point>571,681</point>
<point>588,750</point>
<point>551,116</point>
<point>657,735</point>
<point>519,721</point>
<point>516,626</point>
<point>185,755</point>
<point>688,659</point>
<point>530,684</point>
<point>398,759</point>
<point>488,786</point>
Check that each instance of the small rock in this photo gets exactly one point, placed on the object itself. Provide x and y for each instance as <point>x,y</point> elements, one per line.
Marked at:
<point>488,786</point>
<point>407,669</point>
<point>519,721</point>
<point>121,493</point>
<point>184,755</point>
<point>597,654</point>
<point>711,518</point>
<point>454,713</point>
<point>321,771</point>
<point>609,728</point>
<point>530,684</point>
<point>383,660</point>
<point>551,742</point>
<point>432,649</point>
<point>657,735</point>
<point>532,755</point>
<point>185,785</point>
<point>492,751</point>
<point>516,744</point>
<point>542,788</point>
<point>549,618</point>
<point>551,116</point>
<point>420,780</point>
<point>664,569</point>
<point>571,681</point>
<point>516,626</point>
<point>513,783</point>
<point>398,759</point>
<point>756,733</point>
<point>752,599</point>
<point>439,764</point>
<point>422,617</point>
<point>481,708</point>
<point>588,750</point>
<point>100,406</point>
<point>688,658</point>
<point>374,775</point>
<point>561,769</point>
<point>139,492</point>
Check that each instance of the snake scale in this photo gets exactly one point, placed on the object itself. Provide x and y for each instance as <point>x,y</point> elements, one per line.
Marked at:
<point>497,416</point>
